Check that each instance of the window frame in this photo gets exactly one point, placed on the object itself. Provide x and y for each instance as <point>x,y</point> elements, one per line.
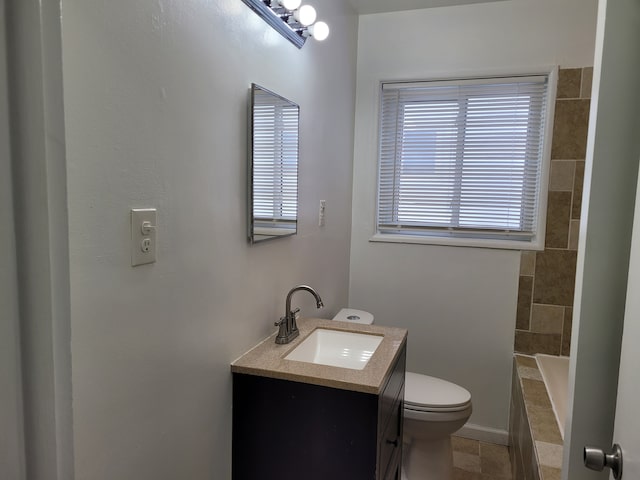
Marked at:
<point>458,238</point>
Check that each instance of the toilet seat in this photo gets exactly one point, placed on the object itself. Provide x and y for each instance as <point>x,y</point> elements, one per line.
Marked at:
<point>440,416</point>
<point>430,394</point>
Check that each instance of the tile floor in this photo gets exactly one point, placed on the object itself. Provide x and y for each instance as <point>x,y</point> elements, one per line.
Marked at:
<point>473,460</point>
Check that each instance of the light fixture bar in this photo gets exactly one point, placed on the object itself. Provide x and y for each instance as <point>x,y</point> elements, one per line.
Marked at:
<point>278,23</point>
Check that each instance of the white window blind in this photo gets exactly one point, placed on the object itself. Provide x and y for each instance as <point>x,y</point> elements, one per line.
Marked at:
<point>275,160</point>
<point>462,158</point>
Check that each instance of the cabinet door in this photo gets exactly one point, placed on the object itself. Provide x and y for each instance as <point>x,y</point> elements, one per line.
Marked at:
<point>391,421</point>
<point>394,467</point>
<point>285,430</point>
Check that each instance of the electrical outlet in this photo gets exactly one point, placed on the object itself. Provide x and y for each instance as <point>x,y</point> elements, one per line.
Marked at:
<point>143,236</point>
<point>145,245</point>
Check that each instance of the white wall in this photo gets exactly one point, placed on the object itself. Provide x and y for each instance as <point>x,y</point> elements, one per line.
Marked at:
<point>458,303</point>
<point>156,116</point>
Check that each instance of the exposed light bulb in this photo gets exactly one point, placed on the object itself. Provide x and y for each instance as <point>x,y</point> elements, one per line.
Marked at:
<point>290,5</point>
<point>319,31</point>
<point>305,15</point>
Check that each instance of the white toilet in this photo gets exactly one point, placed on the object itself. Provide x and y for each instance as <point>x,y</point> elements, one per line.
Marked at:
<point>433,410</point>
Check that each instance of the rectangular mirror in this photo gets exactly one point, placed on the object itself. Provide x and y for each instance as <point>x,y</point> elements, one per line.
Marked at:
<point>273,166</point>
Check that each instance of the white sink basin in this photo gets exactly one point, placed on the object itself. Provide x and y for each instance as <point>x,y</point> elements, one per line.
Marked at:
<point>336,348</point>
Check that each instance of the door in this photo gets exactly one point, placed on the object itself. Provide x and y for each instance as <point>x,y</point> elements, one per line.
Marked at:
<point>11,424</point>
<point>613,153</point>
<point>627,424</point>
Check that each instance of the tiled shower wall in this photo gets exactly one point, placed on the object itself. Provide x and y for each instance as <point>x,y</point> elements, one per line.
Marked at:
<point>545,293</point>
<point>535,442</point>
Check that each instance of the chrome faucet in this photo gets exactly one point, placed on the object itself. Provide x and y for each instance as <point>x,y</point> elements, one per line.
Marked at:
<point>288,328</point>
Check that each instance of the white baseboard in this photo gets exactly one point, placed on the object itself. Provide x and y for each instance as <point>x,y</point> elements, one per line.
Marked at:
<point>484,434</point>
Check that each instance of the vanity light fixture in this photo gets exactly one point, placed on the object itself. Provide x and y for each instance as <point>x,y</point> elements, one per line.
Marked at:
<point>290,5</point>
<point>292,20</point>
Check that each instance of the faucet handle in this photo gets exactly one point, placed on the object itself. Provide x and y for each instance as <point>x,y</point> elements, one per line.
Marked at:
<point>283,335</point>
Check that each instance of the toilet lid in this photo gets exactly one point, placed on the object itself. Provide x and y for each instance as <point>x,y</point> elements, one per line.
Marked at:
<point>422,392</point>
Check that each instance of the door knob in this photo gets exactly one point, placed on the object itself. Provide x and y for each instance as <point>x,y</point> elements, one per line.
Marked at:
<point>596,459</point>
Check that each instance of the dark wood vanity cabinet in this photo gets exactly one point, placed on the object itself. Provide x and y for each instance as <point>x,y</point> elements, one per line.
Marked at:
<point>286,430</point>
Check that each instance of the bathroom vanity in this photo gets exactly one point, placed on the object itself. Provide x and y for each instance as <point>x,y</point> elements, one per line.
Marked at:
<point>297,420</point>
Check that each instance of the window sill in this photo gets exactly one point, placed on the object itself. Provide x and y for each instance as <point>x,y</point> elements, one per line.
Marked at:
<point>459,242</point>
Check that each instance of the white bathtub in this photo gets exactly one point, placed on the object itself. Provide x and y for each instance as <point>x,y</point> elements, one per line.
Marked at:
<point>555,373</point>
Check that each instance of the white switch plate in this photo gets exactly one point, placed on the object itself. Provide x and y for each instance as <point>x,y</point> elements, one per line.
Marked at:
<point>321,211</point>
<point>143,236</point>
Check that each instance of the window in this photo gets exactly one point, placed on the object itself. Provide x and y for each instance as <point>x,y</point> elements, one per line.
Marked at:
<point>463,159</point>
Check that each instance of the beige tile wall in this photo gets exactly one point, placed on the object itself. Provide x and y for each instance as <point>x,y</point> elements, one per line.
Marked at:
<point>534,437</point>
<point>524,465</point>
<point>545,292</point>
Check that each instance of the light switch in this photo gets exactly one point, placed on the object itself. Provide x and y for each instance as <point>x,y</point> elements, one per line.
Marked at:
<point>321,211</point>
<point>143,236</point>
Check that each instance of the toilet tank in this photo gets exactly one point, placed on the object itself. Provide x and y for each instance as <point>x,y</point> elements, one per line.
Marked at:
<point>354,316</point>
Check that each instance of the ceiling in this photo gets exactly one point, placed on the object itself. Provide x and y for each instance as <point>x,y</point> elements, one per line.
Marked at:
<point>364,7</point>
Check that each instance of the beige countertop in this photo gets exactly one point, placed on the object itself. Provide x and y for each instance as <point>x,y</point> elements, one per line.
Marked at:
<point>267,358</point>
